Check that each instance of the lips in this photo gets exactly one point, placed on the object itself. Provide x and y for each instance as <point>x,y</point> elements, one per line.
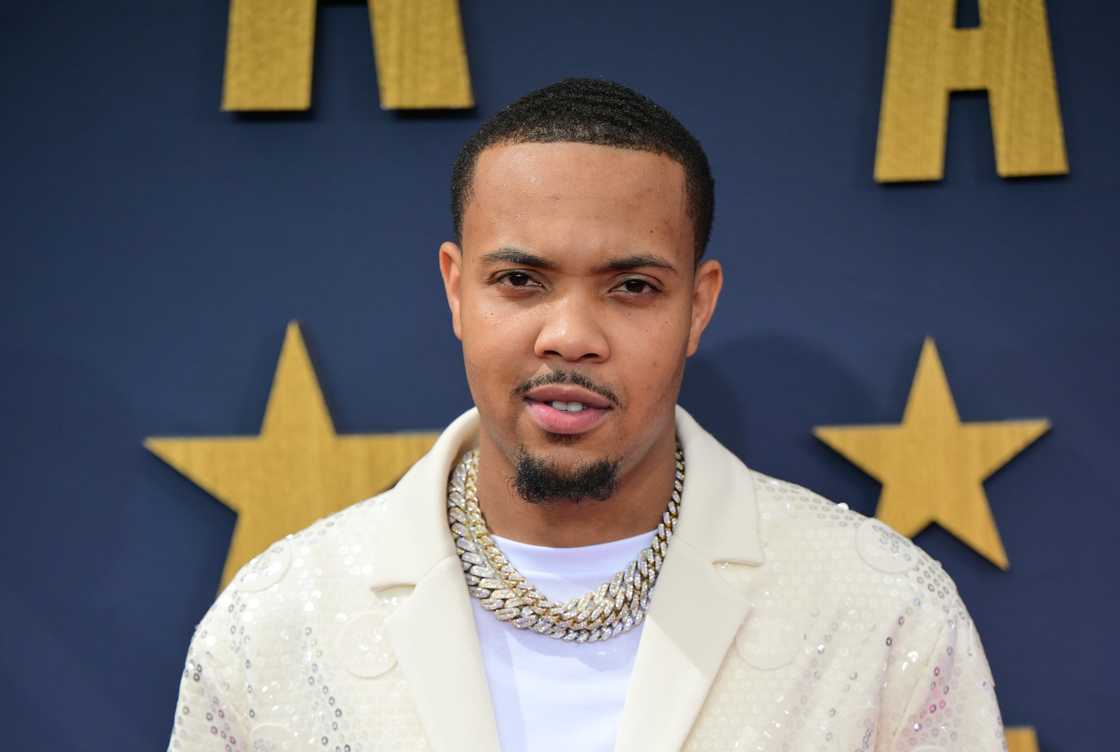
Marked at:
<point>568,393</point>
<point>566,409</point>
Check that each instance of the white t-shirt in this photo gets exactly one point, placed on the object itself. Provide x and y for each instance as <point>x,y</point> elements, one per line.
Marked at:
<point>549,694</point>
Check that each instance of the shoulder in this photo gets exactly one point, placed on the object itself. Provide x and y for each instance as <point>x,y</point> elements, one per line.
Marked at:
<point>298,612</point>
<point>830,568</point>
<point>842,582</point>
<point>849,555</point>
<point>290,581</point>
<point>331,550</point>
<point>340,556</point>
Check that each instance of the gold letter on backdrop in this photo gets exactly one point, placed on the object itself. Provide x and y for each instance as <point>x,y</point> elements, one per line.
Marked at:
<point>1009,55</point>
<point>418,44</point>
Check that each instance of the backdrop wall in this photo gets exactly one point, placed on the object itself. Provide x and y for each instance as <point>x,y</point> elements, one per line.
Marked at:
<point>154,249</point>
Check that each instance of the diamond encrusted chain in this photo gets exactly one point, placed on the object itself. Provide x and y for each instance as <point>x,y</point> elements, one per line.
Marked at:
<point>617,606</point>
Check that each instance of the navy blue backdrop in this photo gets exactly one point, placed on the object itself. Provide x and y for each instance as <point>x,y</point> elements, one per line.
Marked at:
<point>154,248</point>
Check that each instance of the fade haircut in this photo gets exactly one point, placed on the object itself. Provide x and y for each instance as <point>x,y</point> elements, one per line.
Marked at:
<point>592,111</point>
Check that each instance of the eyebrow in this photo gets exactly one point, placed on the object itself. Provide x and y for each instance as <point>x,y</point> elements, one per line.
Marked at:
<point>626,263</point>
<point>637,261</point>
<point>519,257</point>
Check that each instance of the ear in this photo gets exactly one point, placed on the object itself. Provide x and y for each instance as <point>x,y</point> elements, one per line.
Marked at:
<point>705,293</point>
<point>451,269</point>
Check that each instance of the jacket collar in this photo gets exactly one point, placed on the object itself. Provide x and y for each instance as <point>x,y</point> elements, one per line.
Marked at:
<point>693,617</point>
<point>413,538</point>
<point>719,513</point>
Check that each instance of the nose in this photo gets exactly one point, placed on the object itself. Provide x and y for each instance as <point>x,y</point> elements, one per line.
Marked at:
<point>571,331</point>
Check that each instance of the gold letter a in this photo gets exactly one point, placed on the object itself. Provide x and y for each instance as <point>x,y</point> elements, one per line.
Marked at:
<point>1009,55</point>
<point>418,46</point>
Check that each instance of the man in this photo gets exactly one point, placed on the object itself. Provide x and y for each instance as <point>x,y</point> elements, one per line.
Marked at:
<point>577,564</point>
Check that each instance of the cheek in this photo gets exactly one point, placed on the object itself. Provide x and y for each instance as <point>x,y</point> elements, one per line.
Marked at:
<point>483,356</point>
<point>652,354</point>
<point>495,347</point>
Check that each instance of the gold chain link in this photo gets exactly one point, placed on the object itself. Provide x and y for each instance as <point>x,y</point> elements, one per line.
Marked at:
<point>615,607</point>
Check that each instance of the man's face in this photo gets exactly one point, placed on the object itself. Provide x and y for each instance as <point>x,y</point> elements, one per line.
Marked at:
<point>576,300</point>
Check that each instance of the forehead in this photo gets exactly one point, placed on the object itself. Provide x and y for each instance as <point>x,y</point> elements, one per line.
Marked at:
<point>567,197</point>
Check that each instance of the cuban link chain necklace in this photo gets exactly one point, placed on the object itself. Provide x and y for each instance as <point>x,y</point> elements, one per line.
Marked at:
<point>615,607</point>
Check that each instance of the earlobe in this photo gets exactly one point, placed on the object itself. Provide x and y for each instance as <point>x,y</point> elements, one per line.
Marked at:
<point>451,269</point>
<point>705,294</point>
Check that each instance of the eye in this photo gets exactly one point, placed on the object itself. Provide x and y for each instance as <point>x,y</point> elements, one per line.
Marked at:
<point>637,286</point>
<point>515,279</point>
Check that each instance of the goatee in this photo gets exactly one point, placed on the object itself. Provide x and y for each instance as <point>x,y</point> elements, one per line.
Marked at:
<point>539,481</point>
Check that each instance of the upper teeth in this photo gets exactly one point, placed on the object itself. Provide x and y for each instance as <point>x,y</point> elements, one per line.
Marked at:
<point>571,407</point>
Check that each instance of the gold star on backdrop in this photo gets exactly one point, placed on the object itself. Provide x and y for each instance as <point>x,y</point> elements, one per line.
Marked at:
<point>1022,739</point>
<point>932,466</point>
<point>298,469</point>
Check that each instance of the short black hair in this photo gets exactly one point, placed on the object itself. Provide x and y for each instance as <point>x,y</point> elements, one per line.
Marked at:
<point>592,111</point>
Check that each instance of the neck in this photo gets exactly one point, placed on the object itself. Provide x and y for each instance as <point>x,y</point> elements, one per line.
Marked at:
<point>635,507</point>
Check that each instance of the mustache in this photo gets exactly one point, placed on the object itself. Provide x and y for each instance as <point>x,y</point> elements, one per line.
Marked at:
<point>567,377</point>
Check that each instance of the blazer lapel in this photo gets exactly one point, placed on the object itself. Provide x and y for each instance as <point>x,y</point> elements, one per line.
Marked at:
<point>694,614</point>
<point>434,638</point>
<point>432,632</point>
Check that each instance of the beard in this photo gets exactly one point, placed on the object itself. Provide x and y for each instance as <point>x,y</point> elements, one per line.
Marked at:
<point>538,481</point>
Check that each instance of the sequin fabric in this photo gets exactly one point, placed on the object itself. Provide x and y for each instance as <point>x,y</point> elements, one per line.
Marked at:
<point>288,659</point>
<point>855,640</point>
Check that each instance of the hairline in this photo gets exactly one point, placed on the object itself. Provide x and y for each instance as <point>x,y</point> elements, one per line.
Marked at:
<point>515,139</point>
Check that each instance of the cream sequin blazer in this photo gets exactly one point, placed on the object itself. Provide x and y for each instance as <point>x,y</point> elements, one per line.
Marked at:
<point>780,622</point>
